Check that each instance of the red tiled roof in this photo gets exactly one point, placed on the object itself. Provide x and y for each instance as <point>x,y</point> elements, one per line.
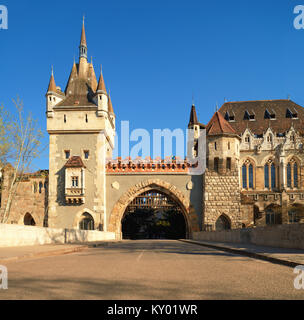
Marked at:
<point>75,162</point>
<point>218,125</point>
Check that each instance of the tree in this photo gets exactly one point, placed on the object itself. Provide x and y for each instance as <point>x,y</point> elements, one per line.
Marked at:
<point>21,139</point>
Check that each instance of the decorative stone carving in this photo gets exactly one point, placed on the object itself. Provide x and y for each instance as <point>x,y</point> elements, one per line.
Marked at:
<point>115,185</point>
<point>190,185</point>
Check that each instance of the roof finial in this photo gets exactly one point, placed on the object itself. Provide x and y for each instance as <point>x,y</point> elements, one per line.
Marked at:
<point>83,18</point>
<point>193,102</point>
<point>52,70</point>
<point>216,108</point>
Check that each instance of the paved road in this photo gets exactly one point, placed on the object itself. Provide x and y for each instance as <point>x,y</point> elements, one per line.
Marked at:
<point>149,270</point>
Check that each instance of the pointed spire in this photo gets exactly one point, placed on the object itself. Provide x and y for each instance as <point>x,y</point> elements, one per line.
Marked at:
<point>193,116</point>
<point>52,84</point>
<point>101,83</point>
<point>73,76</point>
<point>110,106</point>
<point>83,40</point>
<point>83,49</point>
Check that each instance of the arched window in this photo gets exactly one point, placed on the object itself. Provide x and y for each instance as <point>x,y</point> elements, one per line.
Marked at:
<point>40,187</point>
<point>250,176</point>
<point>292,174</point>
<point>295,175</point>
<point>247,175</point>
<point>289,175</point>
<point>270,171</point>
<point>273,176</point>
<point>244,175</point>
<point>86,222</point>
<point>266,175</point>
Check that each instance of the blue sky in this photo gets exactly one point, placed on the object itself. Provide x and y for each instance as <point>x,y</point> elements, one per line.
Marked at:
<point>155,55</point>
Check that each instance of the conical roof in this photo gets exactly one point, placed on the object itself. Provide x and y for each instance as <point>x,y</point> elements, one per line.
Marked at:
<point>218,125</point>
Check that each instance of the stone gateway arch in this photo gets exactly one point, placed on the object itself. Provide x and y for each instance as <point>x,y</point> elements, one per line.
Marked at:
<point>119,209</point>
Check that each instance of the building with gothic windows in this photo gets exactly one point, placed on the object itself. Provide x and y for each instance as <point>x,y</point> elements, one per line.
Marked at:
<point>254,175</point>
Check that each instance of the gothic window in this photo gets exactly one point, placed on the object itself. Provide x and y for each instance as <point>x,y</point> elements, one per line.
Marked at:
<point>250,176</point>
<point>215,146</point>
<point>247,139</point>
<point>273,176</point>
<point>247,175</point>
<point>270,178</point>
<point>35,187</point>
<point>295,175</point>
<point>292,174</point>
<point>266,175</point>
<point>289,175</point>
<point>244,175</point>
<point>269,138</point>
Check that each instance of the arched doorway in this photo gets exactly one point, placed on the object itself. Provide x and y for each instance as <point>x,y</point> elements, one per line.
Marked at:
<point>29,220</point>
<point>222,223</point>
<point>153,215</point>
<point>86,222</point>
<point>273,214</point>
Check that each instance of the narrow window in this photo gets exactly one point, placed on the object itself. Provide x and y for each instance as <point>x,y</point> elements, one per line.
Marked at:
<point>228,164</point>
<point>251,176</point>
<point>266,175</point>
<point>244,176</point>
<point>86,154</point>
<point>216,164</point>
<point>228,145</point>
<point>273,176</point>
<point>75,182</point>
<point>295,175</point>
<point>40,187</point>
<point>87,118</point>
<point>64,118</point>
<point>289,175</point>
<point>67,154</point>
<point>215,146</point>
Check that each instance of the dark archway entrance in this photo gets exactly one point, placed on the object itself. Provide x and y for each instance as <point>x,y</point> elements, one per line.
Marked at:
<point>222,223</point>
<point>154,215</point>
<point>29,220</point>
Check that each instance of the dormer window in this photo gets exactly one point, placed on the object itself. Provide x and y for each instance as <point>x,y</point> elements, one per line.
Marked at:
<point>269,115</point>
<point>249,116</point>
<point>291,114</point>
<point>229,117</point>
<point>269,138</point>
<point>247,139</point>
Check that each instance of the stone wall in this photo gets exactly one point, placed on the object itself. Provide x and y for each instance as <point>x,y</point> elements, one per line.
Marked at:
<point>281,236</point>
<point>222,197</point>
<point>15,235</point>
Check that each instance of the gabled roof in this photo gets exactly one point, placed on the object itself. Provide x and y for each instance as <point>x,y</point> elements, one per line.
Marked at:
<point>218,125</point>
<point>75,162</point>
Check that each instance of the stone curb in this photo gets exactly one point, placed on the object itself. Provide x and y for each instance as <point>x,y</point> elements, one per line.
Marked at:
<point>254,255</point>
<point>56,252</point>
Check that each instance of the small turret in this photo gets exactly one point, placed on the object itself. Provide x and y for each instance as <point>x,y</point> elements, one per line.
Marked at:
<point>53,96</point>
<point>101,96</point>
